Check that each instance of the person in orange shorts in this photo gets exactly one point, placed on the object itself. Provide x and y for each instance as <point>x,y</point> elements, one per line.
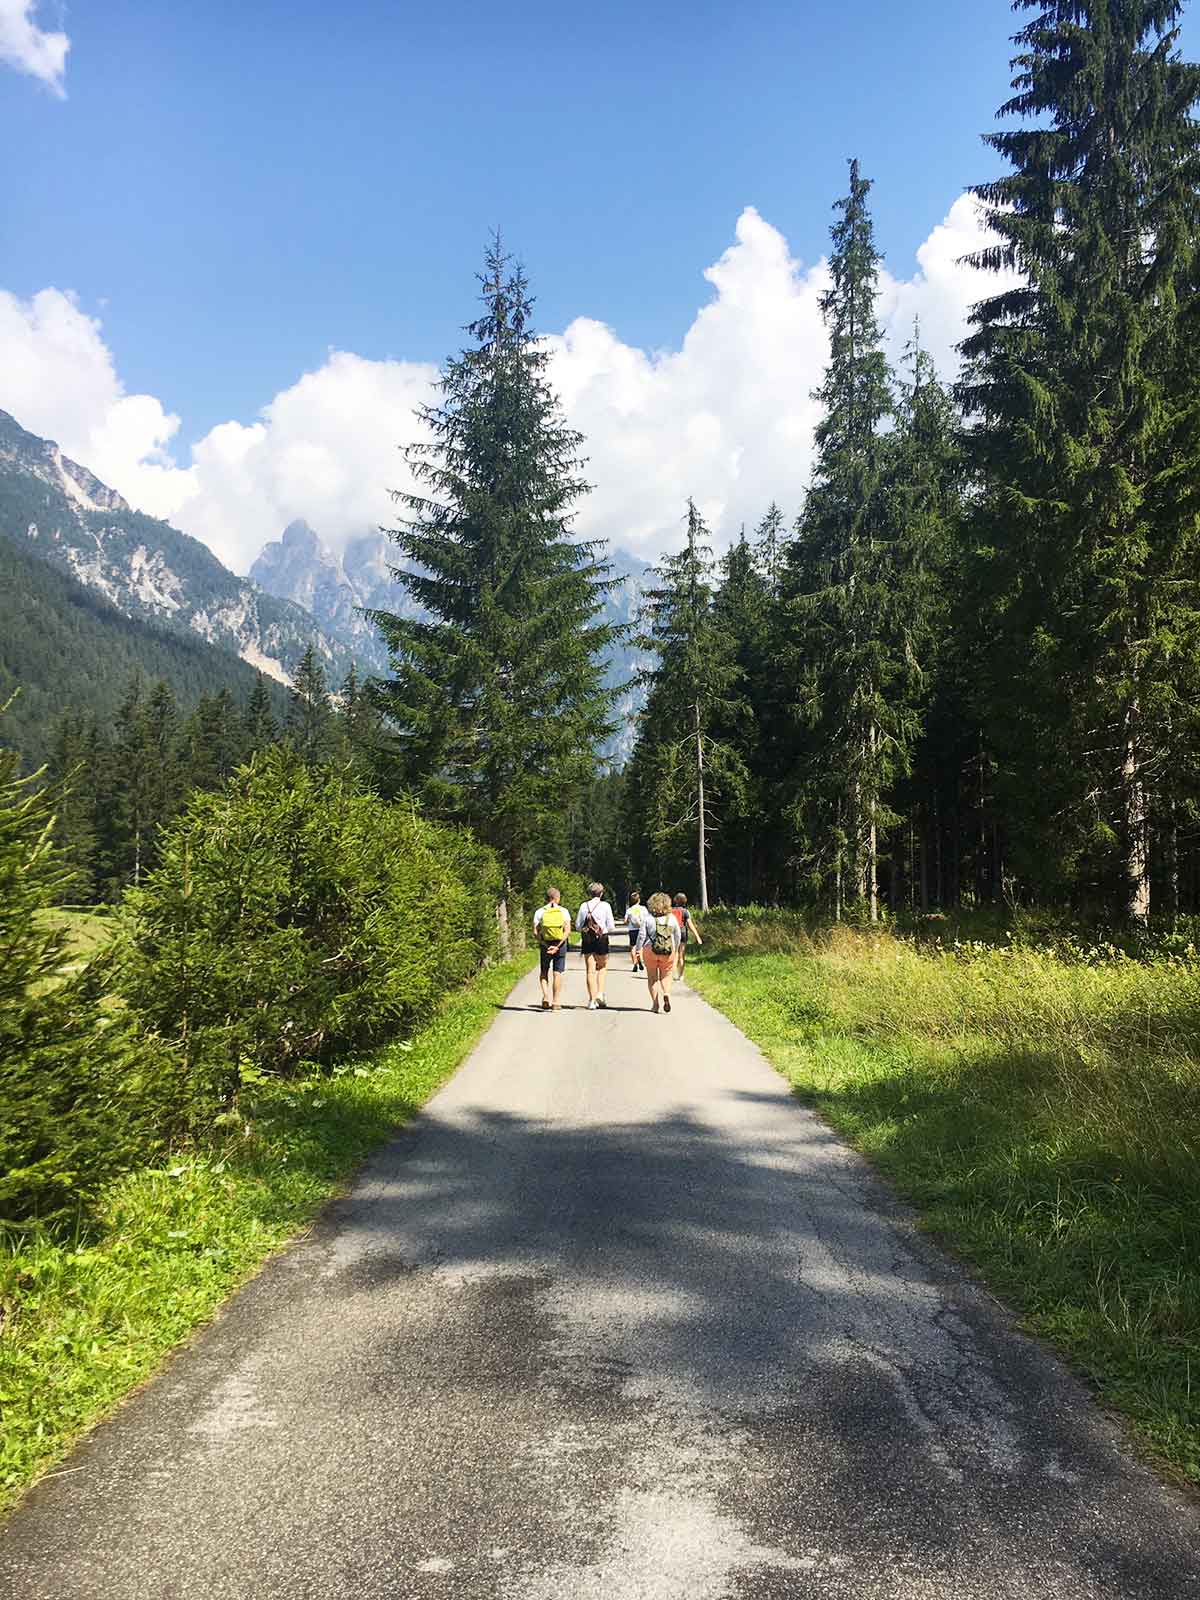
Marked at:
<point>658,945</point>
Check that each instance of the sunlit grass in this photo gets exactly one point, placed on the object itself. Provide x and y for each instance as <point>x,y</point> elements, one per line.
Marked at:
<point>1040,1106</point>
<point>84,1319</point>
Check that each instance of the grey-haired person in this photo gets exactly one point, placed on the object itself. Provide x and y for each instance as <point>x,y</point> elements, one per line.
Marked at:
<point>596,923</point>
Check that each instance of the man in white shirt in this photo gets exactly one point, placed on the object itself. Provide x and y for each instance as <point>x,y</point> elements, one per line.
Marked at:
<point>596,922</point>
<point>552,930</point>
<point>635,915</point>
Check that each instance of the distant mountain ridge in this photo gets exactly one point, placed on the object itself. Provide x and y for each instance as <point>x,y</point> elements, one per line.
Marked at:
<point>146,568</point>
<point>300,567</point>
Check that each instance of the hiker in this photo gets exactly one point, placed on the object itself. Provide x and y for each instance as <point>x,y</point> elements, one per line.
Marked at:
<point>595,921</point>
<point>658,944</point>
<point>552,930</point>
<point>635,914</point>
<point>687,930</point>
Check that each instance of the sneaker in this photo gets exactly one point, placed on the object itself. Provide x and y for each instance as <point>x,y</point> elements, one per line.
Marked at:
<point>602,1003</point>
<point>545,1005</point>
<point>666,1002</point>
<point>593,1006</point>
<point>654,1007</point>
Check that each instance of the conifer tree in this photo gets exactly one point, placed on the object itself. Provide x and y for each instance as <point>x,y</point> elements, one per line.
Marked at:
<point>310,723</point>
<point>259,728</point>
<point>770,547</point>
<point>1086,437</point>
<point>694,684</point>
<point>497,700</point>
<point>838,583</point>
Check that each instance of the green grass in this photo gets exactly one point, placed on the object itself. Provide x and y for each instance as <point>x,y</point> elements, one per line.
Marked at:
<point>1040,1107</point>
<point>83,1321</point>
<point>86,931</point>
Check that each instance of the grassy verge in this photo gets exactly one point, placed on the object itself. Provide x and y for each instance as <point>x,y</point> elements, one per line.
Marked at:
<point>83,1321</point>
<point>1040,1107</point>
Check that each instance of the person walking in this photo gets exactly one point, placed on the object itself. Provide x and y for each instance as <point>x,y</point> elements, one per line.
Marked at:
<point>635,914</point>
<point>658,944</point>
<point>596,922</point>
<point>552,930</point>
<point>687,931</point>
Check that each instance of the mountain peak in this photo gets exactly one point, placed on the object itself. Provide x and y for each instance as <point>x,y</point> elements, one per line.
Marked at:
<point>298,538</point>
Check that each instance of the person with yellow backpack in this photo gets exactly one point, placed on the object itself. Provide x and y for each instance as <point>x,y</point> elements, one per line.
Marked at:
<point>552,930</point>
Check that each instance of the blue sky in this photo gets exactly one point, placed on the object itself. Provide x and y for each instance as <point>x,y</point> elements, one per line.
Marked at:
<point>239,188</point>
<point>236,246</point>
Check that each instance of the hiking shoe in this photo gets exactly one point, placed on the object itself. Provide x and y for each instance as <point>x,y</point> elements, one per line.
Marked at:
<point>654,1007</point>
<point>666,1002</point>
<point>545,1005</point>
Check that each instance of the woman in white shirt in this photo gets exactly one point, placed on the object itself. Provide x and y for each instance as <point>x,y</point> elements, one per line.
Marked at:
<point>596,922</point>
<point>659,928</point>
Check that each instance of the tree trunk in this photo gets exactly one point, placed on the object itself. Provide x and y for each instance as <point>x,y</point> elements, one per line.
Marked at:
<point>701,839</point>
<point>1137,854</point>
<point>873,839</point>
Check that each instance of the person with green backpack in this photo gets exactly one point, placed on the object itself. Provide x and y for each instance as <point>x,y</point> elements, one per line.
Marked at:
<point>552,930</point>
<point>658,945</point>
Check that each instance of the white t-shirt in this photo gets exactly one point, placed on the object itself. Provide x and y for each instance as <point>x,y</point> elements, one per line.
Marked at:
<point>636,915</point>
<point>541,912</point>
<point>601,910</point>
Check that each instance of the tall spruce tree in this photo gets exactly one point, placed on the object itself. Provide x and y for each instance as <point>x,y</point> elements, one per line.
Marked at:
<point>687,766</point>
<point>1086,440</point>
<point>310,721</point>
<point>838,585</point>
<point>497,700</point>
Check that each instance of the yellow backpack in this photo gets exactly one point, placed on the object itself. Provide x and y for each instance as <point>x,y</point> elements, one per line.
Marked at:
<point>554,925</point>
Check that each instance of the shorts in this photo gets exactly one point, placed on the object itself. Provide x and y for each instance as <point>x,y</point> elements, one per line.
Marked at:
<point>657,967</point>
<point>558,960</point>
<point>595,944</point>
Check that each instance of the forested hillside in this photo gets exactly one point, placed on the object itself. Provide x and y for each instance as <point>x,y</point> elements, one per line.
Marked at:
<point>66,648</point>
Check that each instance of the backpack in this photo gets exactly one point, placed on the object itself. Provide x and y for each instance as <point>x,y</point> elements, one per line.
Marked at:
<point>553,932</point>
<point>591,927</point>
<point>662,943</point>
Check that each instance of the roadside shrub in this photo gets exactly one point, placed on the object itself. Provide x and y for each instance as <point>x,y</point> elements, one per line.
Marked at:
<point>295,916</point>
<point>80,1097</point>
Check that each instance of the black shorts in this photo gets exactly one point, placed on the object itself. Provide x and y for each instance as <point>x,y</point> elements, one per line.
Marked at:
<point>558,959</point>
<point>594,944</point>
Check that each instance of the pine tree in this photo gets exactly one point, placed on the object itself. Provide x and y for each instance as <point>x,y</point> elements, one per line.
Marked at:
<point>770,547</point>
<point>694,684</point>
<point>497,702</point>
<point>1087,437</point>
<point>74,771</point>
<point>259,728</point>
<point>310,723</point>
<point>838,584</point>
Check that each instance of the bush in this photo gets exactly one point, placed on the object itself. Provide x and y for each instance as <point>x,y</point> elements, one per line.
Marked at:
<point>80,1097</point>
<point>295,916</point>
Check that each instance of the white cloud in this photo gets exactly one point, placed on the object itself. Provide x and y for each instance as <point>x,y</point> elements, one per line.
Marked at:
<point>728,418</point>
<point>28,48</point>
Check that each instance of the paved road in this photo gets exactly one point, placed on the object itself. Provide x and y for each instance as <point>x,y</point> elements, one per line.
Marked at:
<point>616,1320</point>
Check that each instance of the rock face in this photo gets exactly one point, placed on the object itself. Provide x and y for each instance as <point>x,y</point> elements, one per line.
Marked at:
<point>146,568</point>
<point>337,590</point>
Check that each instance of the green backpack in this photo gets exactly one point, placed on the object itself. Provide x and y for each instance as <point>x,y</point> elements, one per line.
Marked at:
<point>553,932</point>
<point>662,943</point>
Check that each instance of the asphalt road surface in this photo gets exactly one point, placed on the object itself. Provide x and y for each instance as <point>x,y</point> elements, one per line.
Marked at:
<point>615,1320</point>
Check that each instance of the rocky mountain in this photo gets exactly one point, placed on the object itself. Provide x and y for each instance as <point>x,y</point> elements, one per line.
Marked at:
<point>335,589</point>
<point>146,568</point>
<point>299,567</point>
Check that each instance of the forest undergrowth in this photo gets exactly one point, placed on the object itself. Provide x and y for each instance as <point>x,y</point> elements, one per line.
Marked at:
<point>1038,1102</point>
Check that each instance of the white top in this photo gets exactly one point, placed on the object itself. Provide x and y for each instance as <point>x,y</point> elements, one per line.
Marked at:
<point>541,912</point>
<point>636,915</point>
<point>646,932</point>
<point>601,910</point>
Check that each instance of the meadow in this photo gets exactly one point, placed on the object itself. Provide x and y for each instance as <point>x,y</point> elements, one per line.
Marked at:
<point>1037,1099</point>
